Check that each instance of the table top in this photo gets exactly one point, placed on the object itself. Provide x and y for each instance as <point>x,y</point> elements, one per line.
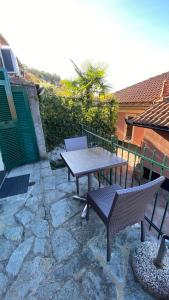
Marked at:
<point>85,161</point>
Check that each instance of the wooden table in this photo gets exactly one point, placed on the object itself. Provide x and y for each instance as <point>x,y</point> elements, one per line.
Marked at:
<point>90,160</point>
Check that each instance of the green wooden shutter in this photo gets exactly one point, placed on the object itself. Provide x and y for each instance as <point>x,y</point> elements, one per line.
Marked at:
<point>5,114</point>
<point>25,123</point>
<point>2,77</point>
<point>12,152</point>
<point>11,144</point>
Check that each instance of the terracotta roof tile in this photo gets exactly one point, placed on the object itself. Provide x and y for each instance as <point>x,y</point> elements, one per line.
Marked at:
<point>146,91</point>
<point>156,116</point>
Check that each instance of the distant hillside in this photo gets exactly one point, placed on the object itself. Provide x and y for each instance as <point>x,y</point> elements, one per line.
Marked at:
<point>40,76</point>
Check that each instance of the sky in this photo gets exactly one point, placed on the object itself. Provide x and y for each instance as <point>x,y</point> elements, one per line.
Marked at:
<point>130,36</point>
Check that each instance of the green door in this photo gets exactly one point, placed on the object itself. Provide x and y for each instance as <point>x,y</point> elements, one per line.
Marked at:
<point>25,121</point>
<point>17,135</point>
<point>10,139</point>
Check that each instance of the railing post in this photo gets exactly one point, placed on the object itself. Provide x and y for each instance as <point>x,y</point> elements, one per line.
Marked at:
<point>113,142</point>
<point>142,164</point>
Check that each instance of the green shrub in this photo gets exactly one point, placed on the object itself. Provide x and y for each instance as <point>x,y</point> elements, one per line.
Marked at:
<point>62,116</point>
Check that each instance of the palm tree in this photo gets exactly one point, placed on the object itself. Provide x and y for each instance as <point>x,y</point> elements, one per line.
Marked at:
<point>91,82</point>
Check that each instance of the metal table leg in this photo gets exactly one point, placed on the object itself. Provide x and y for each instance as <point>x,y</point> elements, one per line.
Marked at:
<point>80,198</point>
<point>84,212</point>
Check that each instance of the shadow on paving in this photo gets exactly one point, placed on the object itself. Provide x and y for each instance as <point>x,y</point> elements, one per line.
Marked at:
<point>48,252</point>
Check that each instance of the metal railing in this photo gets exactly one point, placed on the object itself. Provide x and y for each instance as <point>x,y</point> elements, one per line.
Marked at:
<point>141,168</point>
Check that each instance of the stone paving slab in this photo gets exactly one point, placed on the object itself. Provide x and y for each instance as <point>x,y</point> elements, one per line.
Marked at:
<point>40,228</point>
<point>48,252</point>
<point>32,273</point>
<point>63,245</point>
<point>62,211</point>
<point>14,233</point>
<point>53,196</point>
<point>18,256</point>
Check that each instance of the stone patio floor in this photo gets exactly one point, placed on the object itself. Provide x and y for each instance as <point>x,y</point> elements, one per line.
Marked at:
<point>48,252</point>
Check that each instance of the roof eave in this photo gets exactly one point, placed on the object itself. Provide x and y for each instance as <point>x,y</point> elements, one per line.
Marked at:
<point>129,122</point>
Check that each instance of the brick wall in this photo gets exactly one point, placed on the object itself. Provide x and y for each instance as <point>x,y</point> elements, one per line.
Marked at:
<point>159,141</point>
<point>138,132</point>
<point>138,136</point>
<point>121,125</point>
<point>156,139</point>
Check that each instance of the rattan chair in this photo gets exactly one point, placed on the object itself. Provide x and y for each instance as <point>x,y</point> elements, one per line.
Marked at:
<point>119,208</point>
<point>73,144</point>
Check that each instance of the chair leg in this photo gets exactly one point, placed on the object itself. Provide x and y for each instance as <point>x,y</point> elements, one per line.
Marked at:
<point>77,185</point>
<point>108,244</point>
<point>68,174</point>
<point>142,232</point>
<point>99,179</point>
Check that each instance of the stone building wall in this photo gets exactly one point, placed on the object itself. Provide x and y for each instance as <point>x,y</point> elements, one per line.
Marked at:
<point>34,106</point>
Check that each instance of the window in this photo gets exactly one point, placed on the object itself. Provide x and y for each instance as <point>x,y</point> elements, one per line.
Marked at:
<point>129,130</point>
<point>9,60</point>
<point>6,54</point>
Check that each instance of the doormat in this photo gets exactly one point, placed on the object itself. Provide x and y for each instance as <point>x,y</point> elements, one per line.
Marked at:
<point>2,176</point>
<point>14,186</point>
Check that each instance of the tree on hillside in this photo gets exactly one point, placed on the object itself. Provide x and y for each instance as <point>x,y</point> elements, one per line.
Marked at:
<point>36,75</point>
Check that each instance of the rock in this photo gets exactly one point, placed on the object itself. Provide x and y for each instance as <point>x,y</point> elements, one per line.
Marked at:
<point>40,214</point>
<point>67,187</point>
<point>96,249</point>
<point>48,290</point>
<point>29,278</point>
<point>53,196</point>
<point>69,291</point>
<point>45,164</point>
<point>62,210</point>
<point>36,189</point>
<point>61,178</point>
<point>55,153</point>
<point>18,256</point>
<point>73,267</point>
<point>35,176</point>
<point>33,203</point>
<point>11,206</point>
<point>30,298</point>
<point>117,266</point>
<point>46,172</point>
<point>40,228</point>
<point>61,173</point>
<point>5,222</point>
<point>39,246</point>
<point>24,216</point>
<point>49,183</point>
<point>83,230</point>
<point>3,283</point>
<point>5,249</point>
<point>94,287</point>
<point>14,233</point>
<point>63,244</point>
